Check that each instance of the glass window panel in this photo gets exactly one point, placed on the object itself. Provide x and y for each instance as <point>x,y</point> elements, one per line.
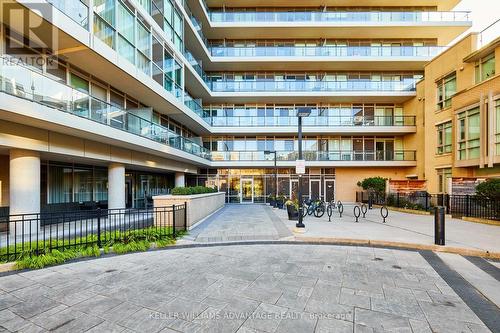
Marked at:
<point>106,10</point>
<point>125,23</point>
<point>143,40</point>
<point>125,49</point>
<point>104,31</point>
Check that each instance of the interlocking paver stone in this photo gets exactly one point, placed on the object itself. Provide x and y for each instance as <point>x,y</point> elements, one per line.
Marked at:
<point>239,288</point>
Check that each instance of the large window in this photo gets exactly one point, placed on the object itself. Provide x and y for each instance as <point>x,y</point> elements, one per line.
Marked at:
<point>73,183</point>
<point>444,138</point>
<point>485,68</point>
<point>468,134</point>
<point>443,175</point>
<point>446,88</point>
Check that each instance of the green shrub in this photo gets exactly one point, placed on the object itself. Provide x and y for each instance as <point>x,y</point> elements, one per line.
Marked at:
<point>192,190</point>
<point>46,253</point>
<point>376,184</point>
<point>293,202</point>
<point>489,189</point>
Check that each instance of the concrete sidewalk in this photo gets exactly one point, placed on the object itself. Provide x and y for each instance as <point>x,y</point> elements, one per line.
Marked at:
<point>399,227</point>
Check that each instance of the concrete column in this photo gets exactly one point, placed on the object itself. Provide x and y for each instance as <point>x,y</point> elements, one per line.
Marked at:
<point>24,190</point>
<point>180,179</point>
<point>116,186</point>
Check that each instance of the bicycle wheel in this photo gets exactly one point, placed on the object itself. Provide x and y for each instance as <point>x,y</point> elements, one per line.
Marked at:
<point>319,211</point>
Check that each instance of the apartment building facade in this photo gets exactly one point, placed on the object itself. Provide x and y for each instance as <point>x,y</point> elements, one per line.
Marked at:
<point>459,100</point>
<point>113,101</point>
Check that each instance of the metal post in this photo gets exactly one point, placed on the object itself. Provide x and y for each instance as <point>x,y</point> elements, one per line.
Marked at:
<point>467,205</point>
<point>300,224</point>
<point>275,173</point>
<point>173,220</point>
<point>99,227</point>
<point>439,225</point>
<point>185,216</point>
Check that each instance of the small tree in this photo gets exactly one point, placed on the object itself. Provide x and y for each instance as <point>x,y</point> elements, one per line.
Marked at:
<point>489,189</point>
<point>375,184</point>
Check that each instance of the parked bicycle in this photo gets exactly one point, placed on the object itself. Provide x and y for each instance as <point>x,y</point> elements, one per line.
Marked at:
<point>316,207</point>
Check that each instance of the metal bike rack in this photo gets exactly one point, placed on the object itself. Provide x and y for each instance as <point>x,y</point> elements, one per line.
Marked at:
<point>357,212</point>
<point>329,212</point>
<point>364,209</point>
<point>384,212</point>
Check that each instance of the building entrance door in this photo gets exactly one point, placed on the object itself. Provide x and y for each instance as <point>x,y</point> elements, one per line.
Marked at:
<point>315,189</point>
<point>246,190</point>
<point>329,190</point>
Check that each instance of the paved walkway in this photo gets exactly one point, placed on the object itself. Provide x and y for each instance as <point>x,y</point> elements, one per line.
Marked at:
<point>399,227</point>
<point>240,222</point>
<point>252,288</point>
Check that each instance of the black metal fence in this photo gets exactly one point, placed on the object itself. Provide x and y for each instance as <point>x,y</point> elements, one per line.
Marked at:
<point>456,205</point>
<point>29,234</point>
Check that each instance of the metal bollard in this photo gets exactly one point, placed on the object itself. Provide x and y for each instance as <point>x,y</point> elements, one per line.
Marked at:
<point>439,221</point>
<point>370,202</point>
<point>364,209</point>
<point>341,208</point>
<point>357,212</point>
<point>384,212</point>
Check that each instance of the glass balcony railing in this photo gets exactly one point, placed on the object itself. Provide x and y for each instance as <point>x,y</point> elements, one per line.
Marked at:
<point>30,84</point>
<point>76,10</point>
<point>338,16</point>
<point>195,105</point>
<point>196,64</point>
<point>254,121</point>
<point>336,155</point>
<point>312,86</point>
<point>328,51</point>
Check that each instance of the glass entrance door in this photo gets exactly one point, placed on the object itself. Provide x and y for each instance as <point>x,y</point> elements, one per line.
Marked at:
<point>246,190</point>
<point>315,189</point>
<point>329,190</point>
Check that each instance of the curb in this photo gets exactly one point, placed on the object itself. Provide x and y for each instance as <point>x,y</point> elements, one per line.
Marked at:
<point>9,268</point>
<point>400,245</point>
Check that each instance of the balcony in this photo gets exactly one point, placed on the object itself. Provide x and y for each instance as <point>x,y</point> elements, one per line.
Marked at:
<point>336,17</point>
<point>75,10</point>
<point>277,121</point>
<point>329,51</point>
<point>329,156</point>
<point>30,84</point>
<point>408,85</point>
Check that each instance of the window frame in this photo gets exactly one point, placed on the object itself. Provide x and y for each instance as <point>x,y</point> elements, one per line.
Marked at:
<point>443,147</point>
<point>443,101</point>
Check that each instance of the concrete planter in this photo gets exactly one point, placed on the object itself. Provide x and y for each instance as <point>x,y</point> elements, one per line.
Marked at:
<point>199,206</point>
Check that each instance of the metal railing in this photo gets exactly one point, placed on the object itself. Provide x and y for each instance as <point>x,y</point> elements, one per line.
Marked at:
<point>338,16</point>
<point>456,205</point>
<point>327,51</point>
<point>32,85</point>
<point>312,86</point>
<point>337,155</point>
<point>32,234</point>
<point>252,121</point>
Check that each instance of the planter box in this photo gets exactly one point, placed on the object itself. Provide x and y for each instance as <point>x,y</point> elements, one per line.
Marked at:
<point>280,204</point>
<point>293,214</point>
<point>199,206</point>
